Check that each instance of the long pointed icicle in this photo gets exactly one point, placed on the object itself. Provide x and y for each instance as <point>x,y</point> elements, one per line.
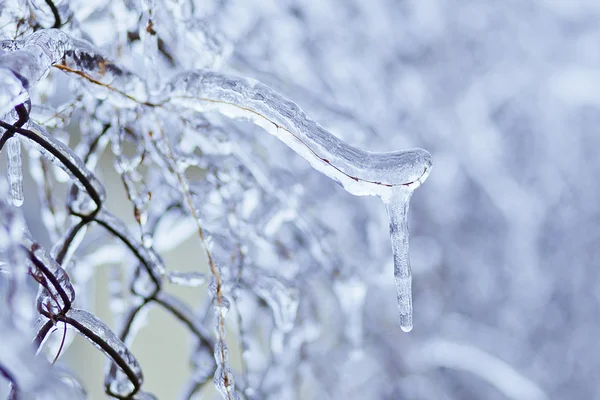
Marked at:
<point>396,204</point>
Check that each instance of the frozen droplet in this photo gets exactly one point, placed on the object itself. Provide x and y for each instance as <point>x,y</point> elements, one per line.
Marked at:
<point>147,240</point>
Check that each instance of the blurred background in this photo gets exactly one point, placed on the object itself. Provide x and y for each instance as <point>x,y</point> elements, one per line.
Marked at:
<point>505,95</point>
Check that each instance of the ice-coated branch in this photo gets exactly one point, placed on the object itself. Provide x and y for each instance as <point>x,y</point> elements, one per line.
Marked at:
<point>152,263</point>
<point>28,63</point>
<point>57,152</point>
<point>31,59</point>
<point>107,341</point>
<point>360,172</point>
<point>59,286</point>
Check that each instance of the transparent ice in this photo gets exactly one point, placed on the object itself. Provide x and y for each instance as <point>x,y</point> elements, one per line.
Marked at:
<point>179,159</point>
<point>15,170</point>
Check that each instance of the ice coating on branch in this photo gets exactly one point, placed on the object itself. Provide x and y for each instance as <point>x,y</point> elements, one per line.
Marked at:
<point>360,172</point>
<point>96,331</point>
<point>30,62</point>
<point>32,58</point>
<point>60,294</point>
<point>147,256</point>
<point>15,170</point>
<point>191,279</point>
<point>38,170</point>
<point>29,374</point>
<point>224,379</point>
<point>64,158</point>
<point>396,204</point>
<point>11,90</point>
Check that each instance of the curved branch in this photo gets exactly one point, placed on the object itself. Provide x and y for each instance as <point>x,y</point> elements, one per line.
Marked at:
<point>360,172</point>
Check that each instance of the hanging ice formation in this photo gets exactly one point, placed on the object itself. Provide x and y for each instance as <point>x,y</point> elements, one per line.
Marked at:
<point>391,176</point>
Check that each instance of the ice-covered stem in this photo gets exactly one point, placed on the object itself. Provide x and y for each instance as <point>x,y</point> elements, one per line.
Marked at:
<point>223,378</point>
<point>67,160</point>
<point>107,341</point>
<point>147,256</point>
<point>360,172</point>
<point>23,117</point>
<point>31,59</point>
<point>58,282</point>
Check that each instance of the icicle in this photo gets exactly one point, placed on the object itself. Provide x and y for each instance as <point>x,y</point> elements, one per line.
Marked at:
<point>224,380</point>
<point>15,170</point>
<point>117,303</point>
<point>396,204</point>
<point>52,217</point>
